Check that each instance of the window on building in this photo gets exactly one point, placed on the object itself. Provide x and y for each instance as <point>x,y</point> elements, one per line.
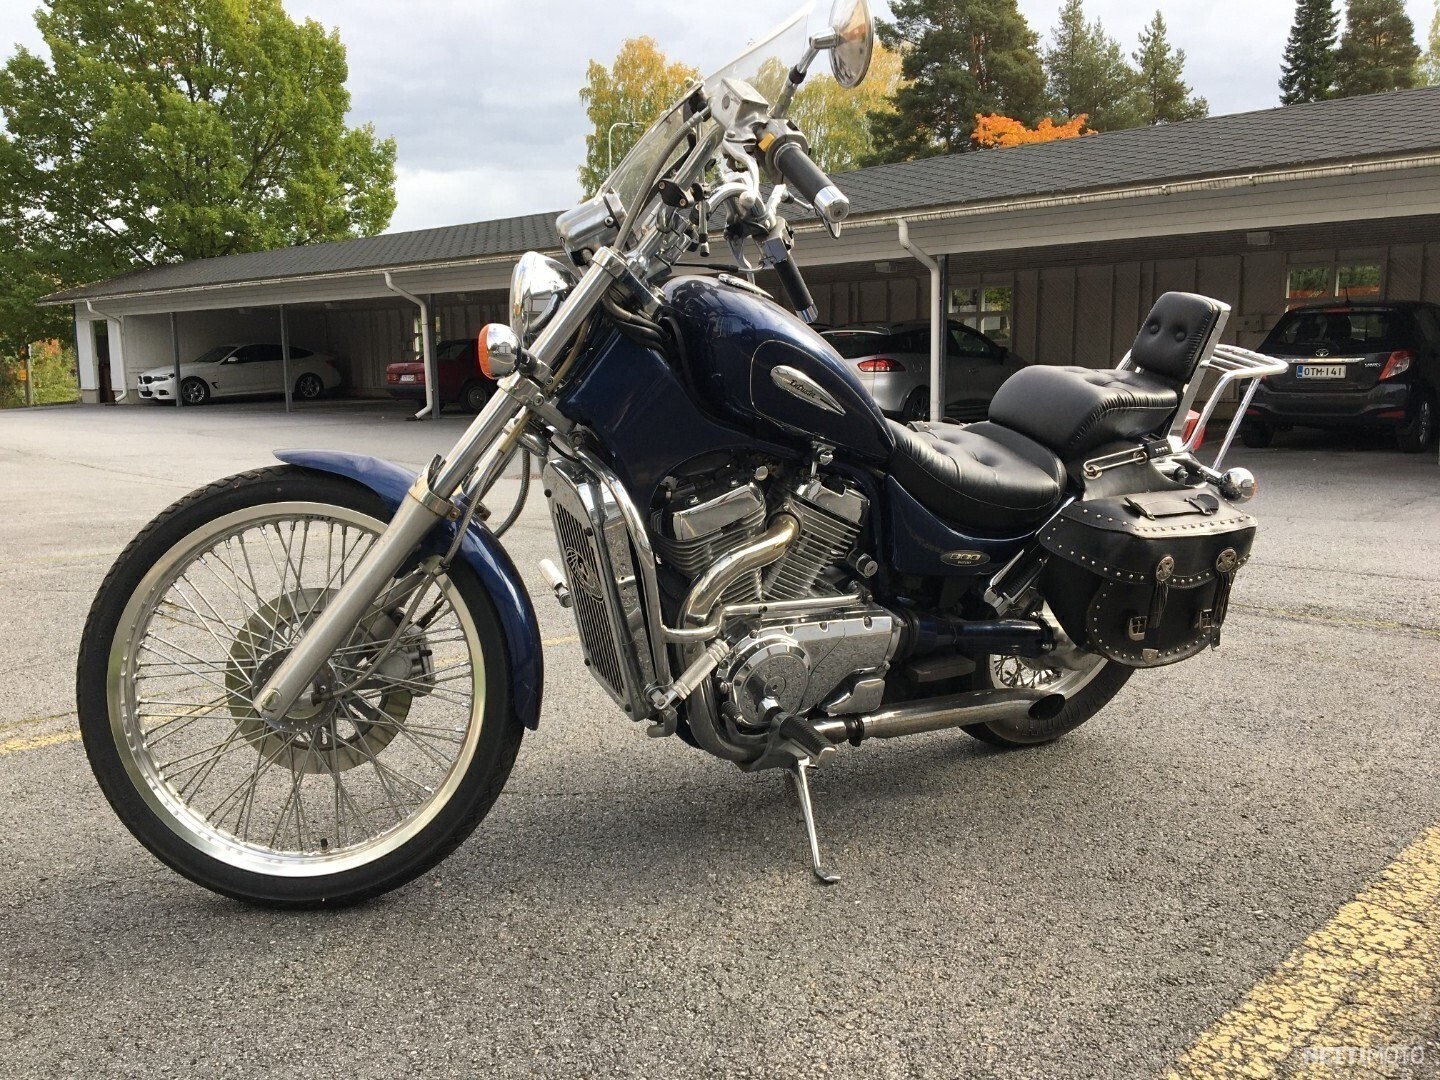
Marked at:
<point>988,309</point>
<point>1313,284</point>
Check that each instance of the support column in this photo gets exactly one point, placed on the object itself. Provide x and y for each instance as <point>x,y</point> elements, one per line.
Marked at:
<point>285,356</point>
<point>175,355</point>
<point>937,323</point>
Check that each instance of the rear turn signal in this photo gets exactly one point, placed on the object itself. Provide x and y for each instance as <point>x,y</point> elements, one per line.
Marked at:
<point>1399,363</point>
<point>880,363</point>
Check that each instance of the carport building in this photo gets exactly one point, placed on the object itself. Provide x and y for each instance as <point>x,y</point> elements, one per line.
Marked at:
<point>1056,250</point>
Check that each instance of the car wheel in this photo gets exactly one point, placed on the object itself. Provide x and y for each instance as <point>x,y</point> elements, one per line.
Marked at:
<point>194,391</point>
<point>1256,435</point>
<point>309,387</point>
<point>917,406</point>
<point>476,395</point>
<point>1419,431</point>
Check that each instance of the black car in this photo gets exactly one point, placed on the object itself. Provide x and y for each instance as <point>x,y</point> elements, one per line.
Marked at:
<point>1352,365</point>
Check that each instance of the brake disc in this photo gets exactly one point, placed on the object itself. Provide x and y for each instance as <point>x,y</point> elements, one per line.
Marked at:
<point>323,732</point>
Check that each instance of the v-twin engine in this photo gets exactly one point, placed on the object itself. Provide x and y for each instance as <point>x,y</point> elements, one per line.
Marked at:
<point>833,659</point>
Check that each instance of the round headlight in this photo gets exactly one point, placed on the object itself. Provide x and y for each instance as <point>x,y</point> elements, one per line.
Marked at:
<point>538,287</point>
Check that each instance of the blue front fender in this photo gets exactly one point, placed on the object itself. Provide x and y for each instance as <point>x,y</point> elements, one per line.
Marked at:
<point>482,553</point>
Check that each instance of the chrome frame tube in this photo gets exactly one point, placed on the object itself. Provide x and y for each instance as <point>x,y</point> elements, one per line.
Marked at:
<point>428,503</point>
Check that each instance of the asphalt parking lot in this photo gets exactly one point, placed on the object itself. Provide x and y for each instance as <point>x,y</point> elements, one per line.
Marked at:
<point>1100,907</point>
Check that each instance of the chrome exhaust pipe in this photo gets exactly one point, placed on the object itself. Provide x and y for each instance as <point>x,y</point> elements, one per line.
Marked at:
<point>938,714</point>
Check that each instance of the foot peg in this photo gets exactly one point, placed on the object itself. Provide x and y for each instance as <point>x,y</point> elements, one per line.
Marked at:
<point>802,789</point>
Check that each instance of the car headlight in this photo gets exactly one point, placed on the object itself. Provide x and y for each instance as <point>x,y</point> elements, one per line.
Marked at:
<point>538,287</point>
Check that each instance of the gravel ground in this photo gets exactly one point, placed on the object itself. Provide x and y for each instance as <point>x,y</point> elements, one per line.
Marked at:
<point>634,908</point>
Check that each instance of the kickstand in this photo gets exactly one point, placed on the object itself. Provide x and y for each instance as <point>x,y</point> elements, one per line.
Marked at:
<point>802,789</point>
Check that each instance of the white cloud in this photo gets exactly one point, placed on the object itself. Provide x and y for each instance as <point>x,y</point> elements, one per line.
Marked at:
<point>482,95</point>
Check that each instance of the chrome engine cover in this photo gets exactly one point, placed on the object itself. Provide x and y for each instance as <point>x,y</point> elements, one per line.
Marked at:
<point>835,660</point>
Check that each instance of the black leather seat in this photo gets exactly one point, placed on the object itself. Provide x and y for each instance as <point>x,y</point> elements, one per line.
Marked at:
<point>982,477</point>
<point>1073,410</point>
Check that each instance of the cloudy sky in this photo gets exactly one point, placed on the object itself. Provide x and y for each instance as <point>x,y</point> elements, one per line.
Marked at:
<point>481,95</point>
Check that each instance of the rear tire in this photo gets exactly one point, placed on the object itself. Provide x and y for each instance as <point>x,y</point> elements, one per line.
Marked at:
<point>435,776</point>
<point>917,406</point>
<point>1256,435</point>
<point>1418,432</point>
<point>309,387</point>
<point>1092,692</point>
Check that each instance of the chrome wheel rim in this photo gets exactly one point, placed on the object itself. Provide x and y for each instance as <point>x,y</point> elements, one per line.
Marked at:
<point>1024,673</point>
<point>341,781</point>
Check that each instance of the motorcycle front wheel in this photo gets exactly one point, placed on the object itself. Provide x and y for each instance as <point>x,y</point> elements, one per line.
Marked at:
<point>375,776</point>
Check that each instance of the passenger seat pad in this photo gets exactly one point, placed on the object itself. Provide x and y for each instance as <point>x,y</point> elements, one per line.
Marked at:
<point>1072,410</point>
<point>981,477</point>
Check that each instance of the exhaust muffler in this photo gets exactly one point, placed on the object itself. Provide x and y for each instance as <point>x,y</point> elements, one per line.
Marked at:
<point>938,714</point>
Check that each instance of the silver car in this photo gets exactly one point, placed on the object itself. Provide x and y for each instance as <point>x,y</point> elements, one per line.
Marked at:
<point>893,362</point>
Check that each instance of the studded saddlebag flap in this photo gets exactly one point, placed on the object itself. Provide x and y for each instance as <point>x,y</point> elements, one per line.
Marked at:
<point>1157,571</point>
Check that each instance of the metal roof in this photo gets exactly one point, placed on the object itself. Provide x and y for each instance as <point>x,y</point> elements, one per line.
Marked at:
<point>1349,129</point>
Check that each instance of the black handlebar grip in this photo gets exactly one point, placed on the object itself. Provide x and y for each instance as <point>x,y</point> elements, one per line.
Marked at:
<point>810,182</point>
<point>797,290</point>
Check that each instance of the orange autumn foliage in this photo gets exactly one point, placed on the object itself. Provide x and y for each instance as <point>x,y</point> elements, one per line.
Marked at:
<point>995,130</point>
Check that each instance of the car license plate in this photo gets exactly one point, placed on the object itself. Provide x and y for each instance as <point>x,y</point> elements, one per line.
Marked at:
<point>407,378</point>
<point>1320,371</point>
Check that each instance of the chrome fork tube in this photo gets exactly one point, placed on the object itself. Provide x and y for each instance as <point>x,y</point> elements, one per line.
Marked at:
<point>428,503</point>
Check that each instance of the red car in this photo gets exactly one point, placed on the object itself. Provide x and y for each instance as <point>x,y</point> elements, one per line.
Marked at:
<point>461,381</point>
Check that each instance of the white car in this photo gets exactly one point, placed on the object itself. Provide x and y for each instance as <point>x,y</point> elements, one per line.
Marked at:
<point>234,370</point>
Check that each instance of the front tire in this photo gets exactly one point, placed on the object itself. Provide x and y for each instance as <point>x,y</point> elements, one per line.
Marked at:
<point>342,800</point>
<point>194,391</point>
<point>1086,693</point>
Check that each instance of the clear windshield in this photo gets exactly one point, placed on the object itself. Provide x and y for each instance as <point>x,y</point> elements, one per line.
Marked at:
<point>763,65</point>
<point>215,355</point>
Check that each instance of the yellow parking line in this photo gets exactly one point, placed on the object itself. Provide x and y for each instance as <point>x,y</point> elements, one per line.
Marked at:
<point>1352,998</point>
<point>37,742</point>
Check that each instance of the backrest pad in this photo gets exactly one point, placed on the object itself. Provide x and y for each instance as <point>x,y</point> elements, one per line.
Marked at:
<point>1172,339</point>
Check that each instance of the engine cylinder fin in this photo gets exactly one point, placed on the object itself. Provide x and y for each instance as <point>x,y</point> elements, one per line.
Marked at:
<point>824,539</point>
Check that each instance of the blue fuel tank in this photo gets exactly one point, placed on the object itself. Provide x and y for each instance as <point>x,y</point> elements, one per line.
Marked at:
<point>757,367</point>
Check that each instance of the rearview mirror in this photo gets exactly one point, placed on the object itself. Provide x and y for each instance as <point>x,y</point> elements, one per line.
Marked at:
<point>854,36</point>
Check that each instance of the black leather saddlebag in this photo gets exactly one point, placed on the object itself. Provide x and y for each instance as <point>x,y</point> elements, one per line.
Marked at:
<point>1144,579</point>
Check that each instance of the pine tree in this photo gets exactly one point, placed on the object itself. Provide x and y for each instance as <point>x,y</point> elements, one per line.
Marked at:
<point>1087,73</point>
<point>1430,62</point>
<point>1308,73</point>
<point>1165,97</point>
<point>1378,51</point>
<point>962,58</point>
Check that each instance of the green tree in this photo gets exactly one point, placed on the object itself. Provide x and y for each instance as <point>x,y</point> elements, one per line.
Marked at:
<point>961,58</point>
<point>161,130</point>
<point>639,86</point>
<point>1308,72</point>
<point>1087,73</point>
<point>1378,50</point>
<point>1164,95</point>
<point>1430,62</point>
<point>837,121</point>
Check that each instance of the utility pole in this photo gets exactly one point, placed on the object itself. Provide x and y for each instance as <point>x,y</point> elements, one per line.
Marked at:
<point>26,377</point>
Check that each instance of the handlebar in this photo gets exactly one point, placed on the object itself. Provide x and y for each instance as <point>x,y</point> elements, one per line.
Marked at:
<point>786,155</point>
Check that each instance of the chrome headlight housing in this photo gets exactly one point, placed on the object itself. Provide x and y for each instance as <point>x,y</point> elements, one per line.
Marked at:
<point>538,287</point>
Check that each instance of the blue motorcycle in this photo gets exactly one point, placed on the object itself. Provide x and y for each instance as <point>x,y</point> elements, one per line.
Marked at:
<point>307,684</point>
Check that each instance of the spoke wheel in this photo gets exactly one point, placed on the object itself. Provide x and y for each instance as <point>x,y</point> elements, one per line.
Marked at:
<point>374,775</point>
<point>1087,681</point>
<point>309,387</point>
